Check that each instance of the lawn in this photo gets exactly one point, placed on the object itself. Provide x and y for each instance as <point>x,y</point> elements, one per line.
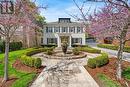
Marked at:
<point>23,77</point>
<point>107,82</point>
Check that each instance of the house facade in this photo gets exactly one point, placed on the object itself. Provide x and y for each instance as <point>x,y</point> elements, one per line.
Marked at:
<point>64,30</point>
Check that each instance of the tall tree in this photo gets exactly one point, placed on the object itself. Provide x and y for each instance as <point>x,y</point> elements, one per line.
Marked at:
<point>112,21</point>
<point>22,16</point>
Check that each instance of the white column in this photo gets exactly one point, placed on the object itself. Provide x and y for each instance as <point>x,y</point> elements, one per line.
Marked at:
<point>59,41</point>
<point>70,41</point>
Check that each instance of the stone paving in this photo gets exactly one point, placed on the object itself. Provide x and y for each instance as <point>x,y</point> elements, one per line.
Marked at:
<point>76,75</point>
<point>80,79</point>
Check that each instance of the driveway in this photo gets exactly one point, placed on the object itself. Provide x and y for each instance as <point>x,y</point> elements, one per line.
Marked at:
<point>113,53</point>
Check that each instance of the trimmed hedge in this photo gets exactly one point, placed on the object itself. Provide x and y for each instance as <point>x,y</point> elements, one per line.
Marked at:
<point>13,46</point>
<point>98,61</point>
<point>75,51</point>
<point>79,45</point>
<point>49,45</point>
<point>35,51</point>
<point>89,49</point>
<point>33,62</point>
<point>91,63</point>
<point>113,47</point>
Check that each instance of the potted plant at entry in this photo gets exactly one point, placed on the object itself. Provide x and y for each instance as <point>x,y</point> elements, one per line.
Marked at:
<point>64,47</point>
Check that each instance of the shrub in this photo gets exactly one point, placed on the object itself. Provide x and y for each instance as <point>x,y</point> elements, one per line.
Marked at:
<point>102,60</point>
<point>13,46</point>
<point>98,61</point>
<point>75,51</point>
<point>49,52</point>
<point>49,45</point>
<point>91,63</point>
<point>37,63</point>
<point>31,62</point>
<point>80,46</point>
<point>38,50</point>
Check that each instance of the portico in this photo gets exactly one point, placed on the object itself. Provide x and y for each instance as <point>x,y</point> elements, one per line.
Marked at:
<point>64,37</point>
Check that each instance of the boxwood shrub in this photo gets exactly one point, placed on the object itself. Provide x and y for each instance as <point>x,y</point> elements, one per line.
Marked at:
<point>33,62</point>
<point>98,61</point>
<point>37,63</point>
<point>35,51</point>
<point>76,51</point>
<point>13,46</point>
<point>113,47</point>
<point>102,60</point>
<point>91,63</point>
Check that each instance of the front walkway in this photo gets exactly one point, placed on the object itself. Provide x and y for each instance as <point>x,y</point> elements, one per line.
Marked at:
<point>59,74</point>
<point>80,79</point>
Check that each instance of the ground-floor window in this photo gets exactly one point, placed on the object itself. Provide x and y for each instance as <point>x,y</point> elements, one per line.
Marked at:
<point>51,40</point>
<point>41,40</point>
<point>76,40</point>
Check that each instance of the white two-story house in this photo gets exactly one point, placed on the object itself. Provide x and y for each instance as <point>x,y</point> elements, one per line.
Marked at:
<point>64,29</point>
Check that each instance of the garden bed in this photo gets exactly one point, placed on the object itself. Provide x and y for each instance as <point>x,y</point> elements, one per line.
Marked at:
<point>21,67</point>
<point>108,72</point>
<point>8,83</point>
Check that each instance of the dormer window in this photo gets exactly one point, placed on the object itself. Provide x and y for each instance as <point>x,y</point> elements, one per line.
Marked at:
<point>64,20</point>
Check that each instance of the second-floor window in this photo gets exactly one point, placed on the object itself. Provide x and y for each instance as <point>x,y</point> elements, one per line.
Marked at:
<point>79,30</point>
<point>64,29</point>
<point>56,29</point>
<point>49,30</point>
<point>72,29</point>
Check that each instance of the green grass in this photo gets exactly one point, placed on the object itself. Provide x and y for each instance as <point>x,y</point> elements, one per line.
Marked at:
<point>126,73</point>
<point>107,82</point>
<point>88,49</point>
<point>23,77</point>
<point>24,80</point>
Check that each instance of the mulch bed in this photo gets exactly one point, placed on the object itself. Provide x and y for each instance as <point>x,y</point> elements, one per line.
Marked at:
<point>8,83</point>
<point>109,70</point>
<point>21,67</point>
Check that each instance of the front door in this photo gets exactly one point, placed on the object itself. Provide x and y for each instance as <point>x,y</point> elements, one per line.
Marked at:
<point>64,38</point>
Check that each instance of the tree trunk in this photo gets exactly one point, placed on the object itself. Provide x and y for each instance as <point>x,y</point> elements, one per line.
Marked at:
<point>6,59</point>
<point>36,44</point>
<point>119,63</point>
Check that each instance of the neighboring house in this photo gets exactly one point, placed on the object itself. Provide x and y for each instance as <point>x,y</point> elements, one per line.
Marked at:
<point>54,33</point>
<point>28,36</point>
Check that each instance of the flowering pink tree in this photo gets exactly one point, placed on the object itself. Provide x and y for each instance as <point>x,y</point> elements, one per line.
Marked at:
<point>112,21</point>
<point>23,15</point>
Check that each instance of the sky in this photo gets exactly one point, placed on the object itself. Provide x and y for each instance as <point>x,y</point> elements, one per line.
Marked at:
<point>63,8</point>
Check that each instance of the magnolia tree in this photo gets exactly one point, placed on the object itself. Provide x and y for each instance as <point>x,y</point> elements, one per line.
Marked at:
<point>111,21</point>
<point>22,16</point>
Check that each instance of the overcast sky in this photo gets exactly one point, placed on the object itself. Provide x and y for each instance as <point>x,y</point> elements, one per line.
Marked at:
<point>61,8</point>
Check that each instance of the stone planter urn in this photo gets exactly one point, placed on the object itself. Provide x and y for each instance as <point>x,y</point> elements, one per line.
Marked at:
<point>64,47</point>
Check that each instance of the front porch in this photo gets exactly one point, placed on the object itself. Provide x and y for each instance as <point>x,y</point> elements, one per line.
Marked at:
<point>64,37</point>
